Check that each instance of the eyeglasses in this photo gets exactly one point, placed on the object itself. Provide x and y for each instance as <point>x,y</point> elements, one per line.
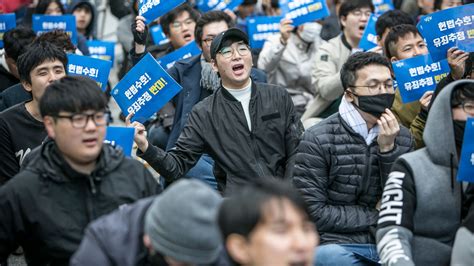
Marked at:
<point>228,52</point>
<point>359,13</point>
<point>81,120</point>
<point>377,86</point>
<point>468,107</point>
<point>208,41</point>
<point>178,24</point>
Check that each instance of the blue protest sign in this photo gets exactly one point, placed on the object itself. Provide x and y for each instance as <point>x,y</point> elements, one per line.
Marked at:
<point>369,38</point>
<point>208,5</point>
<point>7,22</point>
<point>158,35</point>
<point>93,68</point>
<point>261,28</point>
<point>45,23</point>
<point>145,89</point>
<point>121,137</point>
<point>152,9</point>
<point>304,11</point>
<point>417,75</point>
<point>382,6</point>
<point>447,28</point>
<point>102,50</point>
<point>466,163</point>
<point>190,49</point>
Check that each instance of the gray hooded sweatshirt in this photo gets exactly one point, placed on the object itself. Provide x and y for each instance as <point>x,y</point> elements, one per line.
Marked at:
<point>421,202</point>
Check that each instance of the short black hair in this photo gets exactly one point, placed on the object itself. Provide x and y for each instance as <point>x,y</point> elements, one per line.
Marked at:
<point>16,41</point>
<point>43,5</point>
<point>72,94</point>
<point>349,6</point>
<point>58,38</point>
<point>169,17</point>
<point>391,19</point>
<point>249,2</point>
<point>358,61</point>
<point>208,18</point>
<point>395,34</point>
<point>37,54</point>
<point>461,93</point>
<point>239,214</point>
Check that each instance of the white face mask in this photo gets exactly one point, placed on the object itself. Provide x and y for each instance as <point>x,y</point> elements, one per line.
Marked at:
<point>310,31</point>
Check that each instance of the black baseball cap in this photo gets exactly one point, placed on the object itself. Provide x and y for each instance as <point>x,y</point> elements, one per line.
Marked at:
<point>232,33</point>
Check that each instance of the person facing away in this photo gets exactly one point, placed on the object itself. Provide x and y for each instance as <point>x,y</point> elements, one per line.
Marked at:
<point>250,129</point>
<point>176,228</point>
<point>267,223</point>
<point>342,162</point>
<point>422,202</point>
<point>70,180</point>
<point>21,126</point>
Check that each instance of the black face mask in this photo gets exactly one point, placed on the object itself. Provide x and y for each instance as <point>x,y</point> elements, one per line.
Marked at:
<point>375,104</point>
<point>459,127</point>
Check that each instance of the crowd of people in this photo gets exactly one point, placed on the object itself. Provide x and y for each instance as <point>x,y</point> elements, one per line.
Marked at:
<point>300,152</point>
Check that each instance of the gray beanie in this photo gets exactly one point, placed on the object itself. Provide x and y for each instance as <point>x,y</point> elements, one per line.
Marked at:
<point>182,222</point>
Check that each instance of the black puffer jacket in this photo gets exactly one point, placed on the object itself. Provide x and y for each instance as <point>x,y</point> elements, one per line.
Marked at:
<point>47,206</point>
<point>341,179</point>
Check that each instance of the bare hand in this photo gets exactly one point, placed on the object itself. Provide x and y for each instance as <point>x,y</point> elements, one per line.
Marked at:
<point>389,130</point>
<point>377,49</point>
<point>140,133</point>
<point>457,62</point>
<point>286,26</point>
<point>426,99</point>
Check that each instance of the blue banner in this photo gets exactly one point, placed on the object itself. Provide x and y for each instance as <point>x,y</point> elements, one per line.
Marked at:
<point>208,5</point>
<point>7,22</point>
<point>158,35</point>
<point>93,68</point>
<point>382,6</point>
<point>102,50</point>
<point>190,49</point>
<point>145,89</point>
<point>369,38</point>
<point>121,137</point>
<point>260,29</point>
<point>153,9</point>
<point>302,11</point>
<point>448,28</point>
<point>417,75</point>
<point>466,163</point>
<point>45,23</point>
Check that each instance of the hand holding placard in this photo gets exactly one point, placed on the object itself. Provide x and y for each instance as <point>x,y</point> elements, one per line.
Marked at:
<point>140,133</point>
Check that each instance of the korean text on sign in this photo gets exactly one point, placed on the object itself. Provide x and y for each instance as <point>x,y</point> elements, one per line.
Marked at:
<point>45,23</point>
<point>7,22</point>
<point>184,52</point>
<point>448,28</point>
<point>302,11</point>
<point>382,6</point>
<point>261,28</point>
<point>152,9</point>
<point>145,89</point>
<point>417,75</point>
<point>101,50</point>
<point>121,137</point>
<point>93,68</point>
<point>208,5</point>
<point>369,38</point>
<point>466,163</point>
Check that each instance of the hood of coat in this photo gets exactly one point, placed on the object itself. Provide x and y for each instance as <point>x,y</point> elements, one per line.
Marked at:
<point>91,28</point>
<point>49,163</point>
<point>439,129</point>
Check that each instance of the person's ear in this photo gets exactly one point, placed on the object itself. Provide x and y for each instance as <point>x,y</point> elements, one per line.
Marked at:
<point>214,65</point>
<point>49,123</point>
<point>147,242</point>
<point>26,85</point>
<point>349,96</point>
<point>393,59</point>
<point>238,248</point>
<point>343,21</point>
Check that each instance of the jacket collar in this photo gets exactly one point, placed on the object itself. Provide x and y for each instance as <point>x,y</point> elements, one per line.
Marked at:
<point>345,42</point>
<point>229,96</point>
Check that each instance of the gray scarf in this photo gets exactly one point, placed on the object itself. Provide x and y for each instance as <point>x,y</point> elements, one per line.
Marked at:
<point>210,80</point>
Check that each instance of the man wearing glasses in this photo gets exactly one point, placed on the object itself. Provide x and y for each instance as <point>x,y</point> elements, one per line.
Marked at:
<point>70,180</point>
<point>423,204</point>
<point>343,162</point>
<point>250,129</point>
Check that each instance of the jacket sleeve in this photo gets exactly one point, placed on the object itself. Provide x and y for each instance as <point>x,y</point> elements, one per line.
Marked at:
<point>270,56</point>
<point>417,127</point>
<point>177,162</point>
<point>8,164</point>
<point>325,76</point>
<point>294,130</point>
<point>12,229</point>
<point>395,224</point>
<point>90,251</point>
<point>135,57</point>
<point>311,178</point>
